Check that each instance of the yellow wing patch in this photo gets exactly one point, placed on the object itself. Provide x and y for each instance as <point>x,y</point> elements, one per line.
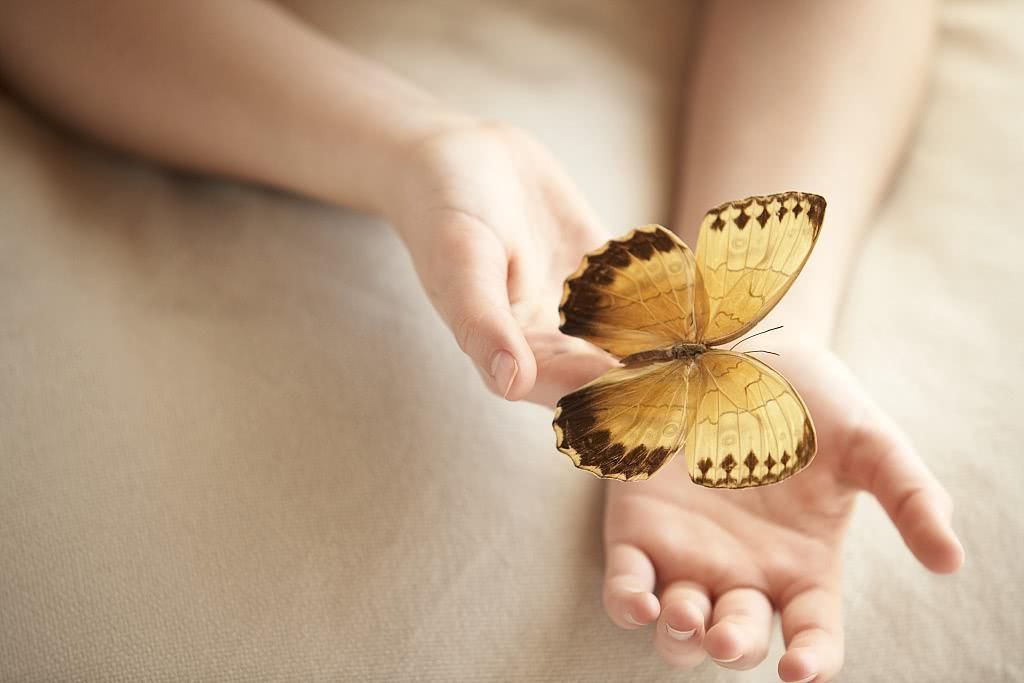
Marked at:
<point>629,422</point>
<point>751,427</point>
<point>749,253</point>
<point>636,293</point>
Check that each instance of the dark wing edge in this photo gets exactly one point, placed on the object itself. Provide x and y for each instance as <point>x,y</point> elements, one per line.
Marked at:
<point>599,268</point>
<point>638,463</point>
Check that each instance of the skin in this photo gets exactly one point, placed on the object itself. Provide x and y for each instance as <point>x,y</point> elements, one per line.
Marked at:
<point>494,225</point>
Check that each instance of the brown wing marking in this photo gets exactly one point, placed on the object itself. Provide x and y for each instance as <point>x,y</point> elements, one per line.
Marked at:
<point>627,423</point>
<point>636,293</point>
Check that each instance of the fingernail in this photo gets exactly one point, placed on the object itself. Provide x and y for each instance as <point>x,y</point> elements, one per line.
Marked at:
<point>811,662</point>
<point>728,661</point>
<point>680,635</point>
<point>631,619</point>
<point>806,680</point>
<point>504,369</point>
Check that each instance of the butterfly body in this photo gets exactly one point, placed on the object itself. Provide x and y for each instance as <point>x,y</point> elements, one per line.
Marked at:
<point>676,352</point>
<point>650,301</point>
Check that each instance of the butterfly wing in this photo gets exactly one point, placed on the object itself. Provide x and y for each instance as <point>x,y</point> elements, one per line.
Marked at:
<point>751,427</point>
<point>748,255</point>
<point>635,294</point>
<point>628,422</point>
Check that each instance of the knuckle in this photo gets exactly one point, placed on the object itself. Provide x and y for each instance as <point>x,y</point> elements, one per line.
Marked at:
<point>665,540</point>
<point>609,599</point>
<point>473,329</point>
<point>466,329</point>
<point>908,503</point>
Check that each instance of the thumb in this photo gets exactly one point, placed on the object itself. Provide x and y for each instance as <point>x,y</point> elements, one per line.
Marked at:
<point>469,288</point>
<point>888,466</point>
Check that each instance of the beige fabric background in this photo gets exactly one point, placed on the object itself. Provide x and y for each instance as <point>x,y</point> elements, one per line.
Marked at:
<point>236,443</point>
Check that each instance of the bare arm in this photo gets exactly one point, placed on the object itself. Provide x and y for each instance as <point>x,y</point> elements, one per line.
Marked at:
<point>811,96</point>
<point>241,88</point>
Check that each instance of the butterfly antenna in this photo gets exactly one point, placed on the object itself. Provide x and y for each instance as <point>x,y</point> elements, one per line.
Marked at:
<point>756,334</point>
<point>763,351</point>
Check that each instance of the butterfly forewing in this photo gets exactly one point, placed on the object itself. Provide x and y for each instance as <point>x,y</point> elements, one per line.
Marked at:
<point>634,294</point>
<point>748,255</point>
<point>627,423</point>
<point>750,427</point>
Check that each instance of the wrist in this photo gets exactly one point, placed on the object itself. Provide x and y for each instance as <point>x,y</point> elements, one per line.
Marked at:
<point>430,167</point>
<point>370,166</point>
<point>344,132</point>
<point>408,171</point>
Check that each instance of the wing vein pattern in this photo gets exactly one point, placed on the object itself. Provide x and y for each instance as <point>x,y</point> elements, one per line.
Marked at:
<point>628,296</point>
<point>749,253</point>
<point>758,430</point>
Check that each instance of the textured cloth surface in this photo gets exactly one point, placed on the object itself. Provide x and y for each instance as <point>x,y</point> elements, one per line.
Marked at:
<point>236,443</point>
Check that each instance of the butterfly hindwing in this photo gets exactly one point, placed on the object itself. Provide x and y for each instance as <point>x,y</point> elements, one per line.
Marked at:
<point>748,255</point>
<point>627,423</point>
<point>634,294</point>
<point>750,428</point>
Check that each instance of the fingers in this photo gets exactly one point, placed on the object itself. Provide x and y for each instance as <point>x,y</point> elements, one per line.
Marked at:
<point>812,627</point>
<point>628,585</point>
<point>883,462</point>
<point>469,288</point>
<point>741,628</point>
<point>685,609</point>
<point>563,364</point>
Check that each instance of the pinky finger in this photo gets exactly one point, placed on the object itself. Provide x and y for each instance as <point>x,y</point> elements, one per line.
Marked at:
<point>890,468</point>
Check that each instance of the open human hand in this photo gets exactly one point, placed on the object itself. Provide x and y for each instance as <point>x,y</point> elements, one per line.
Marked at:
<point>708,567</point>
<point>493,226</point>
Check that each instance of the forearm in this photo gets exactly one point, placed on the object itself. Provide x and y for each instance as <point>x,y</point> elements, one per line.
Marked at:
<point>241,89</point>
<point>811,96</point>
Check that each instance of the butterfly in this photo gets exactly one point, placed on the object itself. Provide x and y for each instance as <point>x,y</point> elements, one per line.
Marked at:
<point>647,299</point>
